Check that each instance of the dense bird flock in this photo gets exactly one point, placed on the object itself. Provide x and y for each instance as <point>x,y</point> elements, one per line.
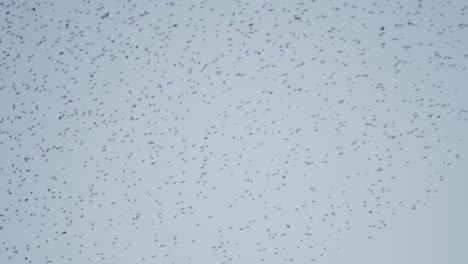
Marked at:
<point>220,131</point>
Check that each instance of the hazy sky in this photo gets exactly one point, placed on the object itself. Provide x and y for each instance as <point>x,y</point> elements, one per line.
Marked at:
<point>233,132</point>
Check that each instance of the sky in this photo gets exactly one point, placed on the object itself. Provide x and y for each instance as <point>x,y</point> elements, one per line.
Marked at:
<point>233,131</point>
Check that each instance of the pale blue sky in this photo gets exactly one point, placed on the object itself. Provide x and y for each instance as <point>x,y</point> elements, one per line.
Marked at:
<point>233,132</point>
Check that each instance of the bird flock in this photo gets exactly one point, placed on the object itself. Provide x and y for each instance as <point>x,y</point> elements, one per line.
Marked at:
<point>216,131</point>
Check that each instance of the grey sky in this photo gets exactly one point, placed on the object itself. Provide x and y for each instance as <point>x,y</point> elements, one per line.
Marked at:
<point>233,132</point>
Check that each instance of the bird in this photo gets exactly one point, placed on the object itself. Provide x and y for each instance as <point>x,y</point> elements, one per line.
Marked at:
<point>224,132</point>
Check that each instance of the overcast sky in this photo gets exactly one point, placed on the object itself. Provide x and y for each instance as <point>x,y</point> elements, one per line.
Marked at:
<point>240,131</point>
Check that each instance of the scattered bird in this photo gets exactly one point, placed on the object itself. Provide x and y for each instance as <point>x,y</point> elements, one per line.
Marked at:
<point>222,132</point>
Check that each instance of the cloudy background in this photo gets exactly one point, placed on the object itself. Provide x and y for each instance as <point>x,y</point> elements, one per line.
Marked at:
<point>233,132</point>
